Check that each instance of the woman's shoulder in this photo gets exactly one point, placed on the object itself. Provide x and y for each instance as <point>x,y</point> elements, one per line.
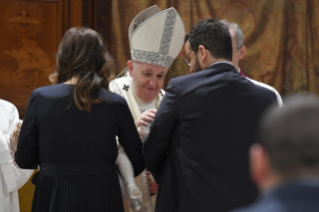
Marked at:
<point>112,98</point>
<point>53,90</point>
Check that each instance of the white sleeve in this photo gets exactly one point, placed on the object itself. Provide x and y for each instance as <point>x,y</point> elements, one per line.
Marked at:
<point>125,168</point>
<point>14,176</point>
<point>21,175</point>
<point>9,116</point>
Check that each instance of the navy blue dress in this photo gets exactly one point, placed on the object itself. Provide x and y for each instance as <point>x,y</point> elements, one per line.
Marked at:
<point>76,150</point>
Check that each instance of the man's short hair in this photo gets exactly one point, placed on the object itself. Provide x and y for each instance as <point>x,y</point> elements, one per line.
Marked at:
<point>239,36</point>
<point>186,38</point>
<point>290,135</point>
<point>214,36</point>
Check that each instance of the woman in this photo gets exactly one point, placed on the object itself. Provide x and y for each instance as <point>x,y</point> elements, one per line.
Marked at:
<point>69,129</point>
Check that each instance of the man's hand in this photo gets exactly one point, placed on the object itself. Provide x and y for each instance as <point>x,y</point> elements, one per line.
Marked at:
<point>152,183</point>
<point>146,118</point>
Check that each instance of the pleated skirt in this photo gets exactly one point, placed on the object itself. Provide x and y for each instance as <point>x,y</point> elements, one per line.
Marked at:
<point>78,193</point>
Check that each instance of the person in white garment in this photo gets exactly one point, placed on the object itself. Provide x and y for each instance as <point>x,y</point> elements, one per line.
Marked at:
<point>12,177</point>
<point>156,38</point>
<point>239,51</point>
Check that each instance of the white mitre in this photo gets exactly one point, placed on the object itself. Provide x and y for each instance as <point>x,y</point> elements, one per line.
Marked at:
<point>156,37</point>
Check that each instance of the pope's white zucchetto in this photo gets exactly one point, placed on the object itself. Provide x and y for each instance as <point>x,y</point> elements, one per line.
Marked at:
<point>156,37</point>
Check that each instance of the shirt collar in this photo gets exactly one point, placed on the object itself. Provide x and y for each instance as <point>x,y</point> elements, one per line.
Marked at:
<point>305,180</point>
<point>241,73</point>
<point>219,63</point>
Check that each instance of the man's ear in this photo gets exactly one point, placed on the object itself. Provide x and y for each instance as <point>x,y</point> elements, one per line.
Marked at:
<point>130,67</point>
<point>202,54</point>
<point>242,52</point>
<point>259,164</point>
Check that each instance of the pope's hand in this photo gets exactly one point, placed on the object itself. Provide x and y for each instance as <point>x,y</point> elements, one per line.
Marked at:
<point>146,118</point>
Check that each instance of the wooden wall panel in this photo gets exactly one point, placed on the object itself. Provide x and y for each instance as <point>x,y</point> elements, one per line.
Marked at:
<point>28,42</point>
<point>103,19</point>
<point>31,31</point>
<point>29,37</point>
<point>75,13</point>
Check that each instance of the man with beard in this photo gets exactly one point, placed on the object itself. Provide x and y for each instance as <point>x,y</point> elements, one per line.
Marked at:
<point>198,146</point>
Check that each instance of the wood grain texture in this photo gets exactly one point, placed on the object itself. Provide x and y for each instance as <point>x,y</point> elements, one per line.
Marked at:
<point>29,37</point>
<point>28,43</point>
<point>76,13</point>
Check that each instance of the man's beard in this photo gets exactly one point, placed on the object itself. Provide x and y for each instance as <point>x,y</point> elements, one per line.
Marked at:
<point>197,67</point>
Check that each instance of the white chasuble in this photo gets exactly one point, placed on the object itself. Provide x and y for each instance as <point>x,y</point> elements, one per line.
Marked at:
<point>124,87</point>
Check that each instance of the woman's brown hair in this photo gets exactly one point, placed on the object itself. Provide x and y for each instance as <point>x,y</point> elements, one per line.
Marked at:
<point>82,54</point>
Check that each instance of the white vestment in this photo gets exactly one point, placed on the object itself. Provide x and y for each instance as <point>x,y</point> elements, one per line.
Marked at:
<point>279,100</point>
<point>124,87</point>
<point>11,176</point>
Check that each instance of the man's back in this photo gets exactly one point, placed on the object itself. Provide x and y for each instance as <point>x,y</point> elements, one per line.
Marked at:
<point>208,120</point>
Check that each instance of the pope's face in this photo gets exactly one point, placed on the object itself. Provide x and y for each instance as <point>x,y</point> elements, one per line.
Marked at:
<point>148,79</point>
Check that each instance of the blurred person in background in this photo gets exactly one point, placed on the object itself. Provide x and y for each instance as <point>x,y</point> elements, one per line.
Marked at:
<point>285,161</point>
<point>239,51</point>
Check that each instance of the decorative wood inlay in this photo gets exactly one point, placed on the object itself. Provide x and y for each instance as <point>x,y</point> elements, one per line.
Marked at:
<point>27,48</point>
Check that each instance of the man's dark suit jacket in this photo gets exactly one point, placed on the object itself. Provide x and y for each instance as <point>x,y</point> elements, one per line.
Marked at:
<point>198,146</point>
<point>288,198</point>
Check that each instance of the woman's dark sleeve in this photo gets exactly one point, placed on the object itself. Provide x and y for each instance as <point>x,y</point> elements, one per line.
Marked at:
<point>129,138</point>
<point>27,154</point>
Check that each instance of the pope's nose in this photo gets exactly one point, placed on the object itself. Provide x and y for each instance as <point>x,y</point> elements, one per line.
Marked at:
<point>152,83</point>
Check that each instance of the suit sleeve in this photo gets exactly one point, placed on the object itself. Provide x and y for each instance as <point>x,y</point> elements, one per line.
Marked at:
<point>157,143</point>
<point>128,137</point>
<point>27,154</point>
